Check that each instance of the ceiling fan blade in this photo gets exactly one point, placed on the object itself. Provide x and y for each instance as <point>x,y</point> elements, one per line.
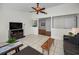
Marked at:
<point>37,12</point>
<point>31,11</point>
<point>42,9</point>
<point>34,8</point>
<point>43,12</point>
<point>37,4</point>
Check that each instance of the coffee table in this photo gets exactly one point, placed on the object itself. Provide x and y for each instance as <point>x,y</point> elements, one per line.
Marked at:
<point>15,46</point>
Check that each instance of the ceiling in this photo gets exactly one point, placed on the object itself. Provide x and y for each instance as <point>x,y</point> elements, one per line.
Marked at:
<point>27,6</point>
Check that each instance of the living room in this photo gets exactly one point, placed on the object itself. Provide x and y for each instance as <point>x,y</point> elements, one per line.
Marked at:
<point>63,18</point>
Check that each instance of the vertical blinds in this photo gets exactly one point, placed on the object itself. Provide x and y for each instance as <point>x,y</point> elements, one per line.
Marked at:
<point>67,22</point>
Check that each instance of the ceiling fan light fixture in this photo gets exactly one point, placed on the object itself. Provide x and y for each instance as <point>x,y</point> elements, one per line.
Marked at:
<point>38,9</point>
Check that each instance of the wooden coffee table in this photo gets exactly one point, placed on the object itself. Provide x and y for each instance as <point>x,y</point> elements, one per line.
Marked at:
<point>46,46</point>
<point>15,46</point>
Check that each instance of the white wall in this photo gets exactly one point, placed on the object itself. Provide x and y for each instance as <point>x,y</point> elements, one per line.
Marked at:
<point>8,15</point>
<point>58,33</point>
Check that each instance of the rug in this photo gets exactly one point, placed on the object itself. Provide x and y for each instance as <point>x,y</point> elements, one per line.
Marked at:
<point>28,51</point>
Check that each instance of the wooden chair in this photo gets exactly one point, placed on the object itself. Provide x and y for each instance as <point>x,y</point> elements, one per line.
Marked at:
<point>47,45</point>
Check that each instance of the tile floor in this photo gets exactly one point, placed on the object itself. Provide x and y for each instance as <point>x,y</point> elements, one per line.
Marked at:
<point>36,41</point>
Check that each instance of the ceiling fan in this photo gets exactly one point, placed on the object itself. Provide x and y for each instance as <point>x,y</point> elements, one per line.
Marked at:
<point>38,9</point>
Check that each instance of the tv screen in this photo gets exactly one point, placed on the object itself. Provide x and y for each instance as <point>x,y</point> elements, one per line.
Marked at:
<point>14,25</point>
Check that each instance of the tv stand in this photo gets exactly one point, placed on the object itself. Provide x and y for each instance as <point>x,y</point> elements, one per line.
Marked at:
<point>17,33</point>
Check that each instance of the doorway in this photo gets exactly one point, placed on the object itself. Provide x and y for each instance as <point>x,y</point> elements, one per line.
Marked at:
<point>45,26</point>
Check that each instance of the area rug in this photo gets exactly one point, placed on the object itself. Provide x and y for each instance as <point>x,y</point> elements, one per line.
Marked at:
<point>28,51</point>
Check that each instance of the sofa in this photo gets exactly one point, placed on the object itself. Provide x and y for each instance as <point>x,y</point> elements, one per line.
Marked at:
<point>72,39</point>
<point>71,44</point>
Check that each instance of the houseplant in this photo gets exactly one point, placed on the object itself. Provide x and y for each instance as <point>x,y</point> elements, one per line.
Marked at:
<point>34,25</point>
<point>11,40</point>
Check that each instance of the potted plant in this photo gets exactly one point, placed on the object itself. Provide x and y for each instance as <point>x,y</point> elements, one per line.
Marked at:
<point>34,25</point>
<point>11,40</point>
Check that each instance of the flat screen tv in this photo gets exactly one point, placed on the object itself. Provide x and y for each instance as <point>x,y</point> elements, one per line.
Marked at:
<point>15,25</point>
